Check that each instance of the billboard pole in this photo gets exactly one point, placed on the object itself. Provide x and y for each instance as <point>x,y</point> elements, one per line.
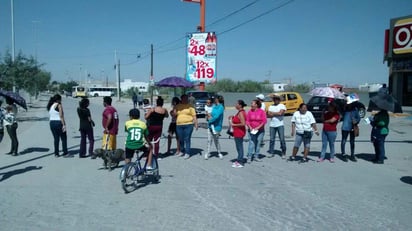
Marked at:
<point>202,15</point>
<point>201,27</point>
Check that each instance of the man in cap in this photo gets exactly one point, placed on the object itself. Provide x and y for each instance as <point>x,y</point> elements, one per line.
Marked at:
<point>276,112</point>
<point>261,97</point>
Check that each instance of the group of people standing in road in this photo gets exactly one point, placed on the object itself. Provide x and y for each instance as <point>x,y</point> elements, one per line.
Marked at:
<point>251,123</point>
<point>110,122</point>
<point>303,128</point>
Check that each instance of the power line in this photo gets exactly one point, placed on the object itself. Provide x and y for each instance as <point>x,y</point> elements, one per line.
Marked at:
<point>239,25</point>
<point>233,13</point>
<point>213,23</point>
<point>259,16</point>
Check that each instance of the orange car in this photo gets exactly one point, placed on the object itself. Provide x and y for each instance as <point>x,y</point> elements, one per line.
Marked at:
<point>291,100</point>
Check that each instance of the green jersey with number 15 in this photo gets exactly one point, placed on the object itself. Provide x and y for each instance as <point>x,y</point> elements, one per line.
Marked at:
<point>136,132</point>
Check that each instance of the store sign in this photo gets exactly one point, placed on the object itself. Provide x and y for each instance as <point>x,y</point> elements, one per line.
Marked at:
<point>402,36</point>
<point>201,57</point>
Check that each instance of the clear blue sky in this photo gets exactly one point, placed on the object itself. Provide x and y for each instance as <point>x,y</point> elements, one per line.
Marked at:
<point>335,41</point>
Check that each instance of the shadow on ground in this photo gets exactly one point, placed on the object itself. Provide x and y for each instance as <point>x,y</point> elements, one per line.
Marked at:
<point>9,174</point>
<point>34,149</point>
<point>366,156</point>
<point>32,118</point>
<point>406,179</point>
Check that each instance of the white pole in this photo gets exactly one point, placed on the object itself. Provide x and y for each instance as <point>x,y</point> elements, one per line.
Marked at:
<point>117,65</point>
<point>12,41</point>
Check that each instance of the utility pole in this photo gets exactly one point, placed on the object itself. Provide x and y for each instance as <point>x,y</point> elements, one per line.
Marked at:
<point>117,66</point>
<point>35,22</point>
<point>201,27</point>
<point>12,42</point>
<point>151,82</point>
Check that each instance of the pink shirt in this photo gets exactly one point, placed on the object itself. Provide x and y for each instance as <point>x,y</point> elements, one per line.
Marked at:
<point>255,118</point>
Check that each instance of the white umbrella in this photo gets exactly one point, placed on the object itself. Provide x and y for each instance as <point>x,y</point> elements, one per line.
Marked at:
<point>328,92</point>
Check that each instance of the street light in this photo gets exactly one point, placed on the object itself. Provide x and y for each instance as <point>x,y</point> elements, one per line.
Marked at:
<point>12,40</point>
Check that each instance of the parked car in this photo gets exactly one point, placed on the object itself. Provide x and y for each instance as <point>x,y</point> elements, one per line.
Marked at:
<point>201,97</point>
<point>291,100</point>
<point>317,105</point>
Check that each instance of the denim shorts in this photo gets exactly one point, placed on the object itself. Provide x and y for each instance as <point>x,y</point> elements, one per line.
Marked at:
<point>298,141</point>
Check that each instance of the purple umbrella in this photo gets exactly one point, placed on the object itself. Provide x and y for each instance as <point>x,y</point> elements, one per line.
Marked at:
<point>174,81</point>
<point>15,97</point>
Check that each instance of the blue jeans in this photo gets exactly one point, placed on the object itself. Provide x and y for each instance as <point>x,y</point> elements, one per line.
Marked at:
<point>379,145</point>
<point>184,134</point>
<point>281,132</point>
<point>239,149</point>
<point>328,138</point>
<point>254,143</point>
<point>351,141</point>
<point>56,128</point>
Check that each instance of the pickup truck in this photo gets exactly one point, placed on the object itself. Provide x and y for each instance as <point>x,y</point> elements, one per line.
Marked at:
<point>200,97</point>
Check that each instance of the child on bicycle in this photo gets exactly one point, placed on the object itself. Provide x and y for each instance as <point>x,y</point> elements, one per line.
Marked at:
<point>137,133</point>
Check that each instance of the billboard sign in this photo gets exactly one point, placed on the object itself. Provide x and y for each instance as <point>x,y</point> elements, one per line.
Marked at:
<point>201,57</point>
<point>402,36</point>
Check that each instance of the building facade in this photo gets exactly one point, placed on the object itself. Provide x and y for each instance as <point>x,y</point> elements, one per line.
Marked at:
<point>398,55</point>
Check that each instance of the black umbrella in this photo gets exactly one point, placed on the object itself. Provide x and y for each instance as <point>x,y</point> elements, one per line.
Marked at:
<point>15,97</point>
<point>386,102</point>
<point>174,81</point>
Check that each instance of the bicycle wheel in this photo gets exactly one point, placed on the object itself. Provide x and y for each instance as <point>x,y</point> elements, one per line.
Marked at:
<point>128,177</point>
<point>156,174</point>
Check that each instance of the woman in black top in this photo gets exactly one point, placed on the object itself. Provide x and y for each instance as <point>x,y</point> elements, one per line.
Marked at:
<point>154,118</point>
<point>86,127</point>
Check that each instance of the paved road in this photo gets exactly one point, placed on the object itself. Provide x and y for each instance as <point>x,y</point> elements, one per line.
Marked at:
<point>41,192</point>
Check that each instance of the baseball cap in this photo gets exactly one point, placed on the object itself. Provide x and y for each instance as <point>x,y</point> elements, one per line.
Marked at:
<point>260,96</point>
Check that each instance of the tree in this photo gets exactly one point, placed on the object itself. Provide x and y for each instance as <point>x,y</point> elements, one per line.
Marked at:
<point>229,85</point>
<point>68,86</point>
<point>24,73</point>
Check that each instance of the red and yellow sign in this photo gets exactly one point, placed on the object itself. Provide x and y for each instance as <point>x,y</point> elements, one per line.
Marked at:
<point>402,36</point>
<point>201,57</point>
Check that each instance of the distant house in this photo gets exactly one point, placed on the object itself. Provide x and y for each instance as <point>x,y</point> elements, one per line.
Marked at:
<point>372,87</point>
<point>128,83</point>
<point>279,87</point>
<point>315,85</point>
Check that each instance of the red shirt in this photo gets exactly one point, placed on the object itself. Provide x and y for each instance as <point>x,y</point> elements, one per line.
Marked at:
<point>239,131</point>
<point>330,127</point>
<point>114,125</point>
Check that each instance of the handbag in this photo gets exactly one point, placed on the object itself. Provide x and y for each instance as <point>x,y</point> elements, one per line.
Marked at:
<point>356,130</point>
<point>307,134</point>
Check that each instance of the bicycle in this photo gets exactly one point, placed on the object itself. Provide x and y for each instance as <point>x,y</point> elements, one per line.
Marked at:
<point>133,175</point>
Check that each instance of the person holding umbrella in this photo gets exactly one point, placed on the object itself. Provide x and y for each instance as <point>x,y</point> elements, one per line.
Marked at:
<point>1,121</point>
<point>11,125</point>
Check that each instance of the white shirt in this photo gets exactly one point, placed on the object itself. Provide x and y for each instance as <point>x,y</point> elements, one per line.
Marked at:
<point>276,120</point>
<point>263,106</point>
<point>208,109</point>
<point>54,115</point>
<point>9,118</point>
<point>303,122</point>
